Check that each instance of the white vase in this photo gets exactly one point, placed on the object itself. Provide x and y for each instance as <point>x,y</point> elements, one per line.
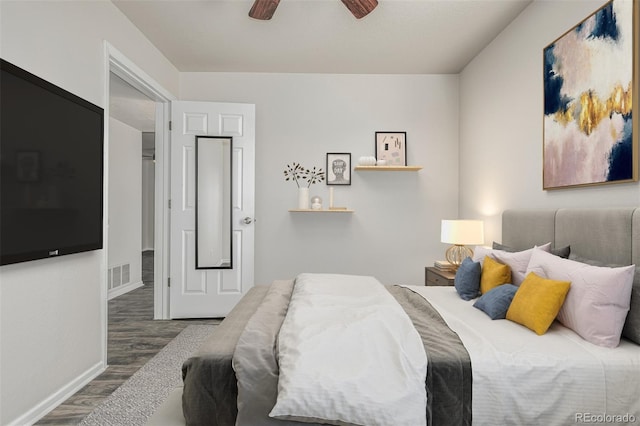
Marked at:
<point>303,198</point>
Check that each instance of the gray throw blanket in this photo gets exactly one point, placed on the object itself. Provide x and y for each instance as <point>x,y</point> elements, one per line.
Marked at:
<point>210,387</point>
<point>449,377</point>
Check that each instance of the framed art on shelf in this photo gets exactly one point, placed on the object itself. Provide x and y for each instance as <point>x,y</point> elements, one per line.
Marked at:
<point>391,148</point>
<point>338,168</point>
<point>590,73</point>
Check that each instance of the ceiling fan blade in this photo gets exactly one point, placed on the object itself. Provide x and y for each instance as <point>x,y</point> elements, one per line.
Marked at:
<point>360,8</point>
<point>263,9</point>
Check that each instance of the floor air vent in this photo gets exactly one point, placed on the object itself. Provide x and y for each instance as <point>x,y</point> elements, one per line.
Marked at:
<point>125,274</point>
<point>116,277</point>
<point>119,275</point>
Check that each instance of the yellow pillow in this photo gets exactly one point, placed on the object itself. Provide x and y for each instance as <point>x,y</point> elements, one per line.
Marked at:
<point>537,302</point>
<point>493,274</point>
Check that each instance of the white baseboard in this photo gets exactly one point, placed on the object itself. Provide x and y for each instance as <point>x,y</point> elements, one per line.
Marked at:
<point>123,289</point>
<point>64,393</point>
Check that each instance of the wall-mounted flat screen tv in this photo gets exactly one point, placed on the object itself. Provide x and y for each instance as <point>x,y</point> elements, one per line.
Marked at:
<point>51,168</point>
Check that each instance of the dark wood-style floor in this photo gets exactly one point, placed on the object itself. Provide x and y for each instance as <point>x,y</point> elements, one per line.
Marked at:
<point>133,339</point>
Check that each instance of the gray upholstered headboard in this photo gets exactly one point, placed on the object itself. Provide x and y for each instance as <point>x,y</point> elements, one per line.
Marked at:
<point>607,235</point>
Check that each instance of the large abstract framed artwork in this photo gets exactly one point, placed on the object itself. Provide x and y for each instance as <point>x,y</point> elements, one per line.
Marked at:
<point>591,100</point>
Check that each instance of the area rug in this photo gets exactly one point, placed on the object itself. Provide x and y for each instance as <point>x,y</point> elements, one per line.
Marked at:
<point>137,399</point>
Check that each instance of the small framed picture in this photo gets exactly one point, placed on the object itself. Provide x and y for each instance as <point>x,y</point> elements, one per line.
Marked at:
<point>391,147</point>
<point>338,168</point>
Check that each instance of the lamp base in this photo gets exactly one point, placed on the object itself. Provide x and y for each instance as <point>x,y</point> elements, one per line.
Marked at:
<point>457,253</point>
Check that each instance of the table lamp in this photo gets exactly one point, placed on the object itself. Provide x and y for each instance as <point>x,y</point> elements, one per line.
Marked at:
<point>461,233</point>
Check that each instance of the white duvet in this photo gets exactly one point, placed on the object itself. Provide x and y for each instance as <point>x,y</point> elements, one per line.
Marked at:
<point>520,378</point>
<point>349,354</point>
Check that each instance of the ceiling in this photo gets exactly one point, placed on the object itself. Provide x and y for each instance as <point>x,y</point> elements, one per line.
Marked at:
<point>309,36</point>
<point>130,106</point>
<point>322,36</point>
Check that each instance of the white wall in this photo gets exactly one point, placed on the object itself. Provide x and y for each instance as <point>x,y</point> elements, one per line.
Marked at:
<point>125,199</point>
<point>148,190</point>
<point>501,123</point>
<point>395,230</point>
<point>51,310</point>
<point>148,202</point>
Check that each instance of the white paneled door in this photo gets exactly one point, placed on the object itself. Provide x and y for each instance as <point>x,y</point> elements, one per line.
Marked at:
<point>210,293</point>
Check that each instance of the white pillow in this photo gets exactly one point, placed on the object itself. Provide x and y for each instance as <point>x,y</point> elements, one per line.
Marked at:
<point>517,261</point>
<point>598,299</point>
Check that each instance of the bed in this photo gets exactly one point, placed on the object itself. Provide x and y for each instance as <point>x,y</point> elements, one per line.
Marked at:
<point>477,369</point>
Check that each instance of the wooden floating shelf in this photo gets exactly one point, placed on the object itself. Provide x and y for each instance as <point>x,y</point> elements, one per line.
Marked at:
<point>390,168</point>
<point>320,211</point>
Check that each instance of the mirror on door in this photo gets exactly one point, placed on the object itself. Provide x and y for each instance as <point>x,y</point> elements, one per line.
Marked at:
<point>213,202</point>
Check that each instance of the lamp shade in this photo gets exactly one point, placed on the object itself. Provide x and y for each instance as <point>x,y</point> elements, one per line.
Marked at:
<point>462,232</point>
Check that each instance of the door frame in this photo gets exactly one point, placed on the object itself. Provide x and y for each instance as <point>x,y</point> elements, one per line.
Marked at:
<point>126,69</point>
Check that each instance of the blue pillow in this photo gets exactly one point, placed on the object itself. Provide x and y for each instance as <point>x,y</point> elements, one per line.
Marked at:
<point>467,280</point>
<point>496,301</point>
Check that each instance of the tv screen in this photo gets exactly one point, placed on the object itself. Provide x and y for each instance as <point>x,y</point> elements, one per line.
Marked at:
<point>51,168</point>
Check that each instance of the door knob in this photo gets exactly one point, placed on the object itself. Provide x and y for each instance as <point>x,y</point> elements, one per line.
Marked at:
<point>247,220</point>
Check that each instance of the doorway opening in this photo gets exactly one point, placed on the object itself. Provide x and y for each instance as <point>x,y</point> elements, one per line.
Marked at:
<point>131,183</point>
<point>122,68</point>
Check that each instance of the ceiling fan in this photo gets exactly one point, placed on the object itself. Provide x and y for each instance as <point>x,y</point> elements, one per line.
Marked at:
<point>264,9</point>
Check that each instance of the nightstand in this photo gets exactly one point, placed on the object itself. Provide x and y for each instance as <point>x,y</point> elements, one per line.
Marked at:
<point>434,276</point>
